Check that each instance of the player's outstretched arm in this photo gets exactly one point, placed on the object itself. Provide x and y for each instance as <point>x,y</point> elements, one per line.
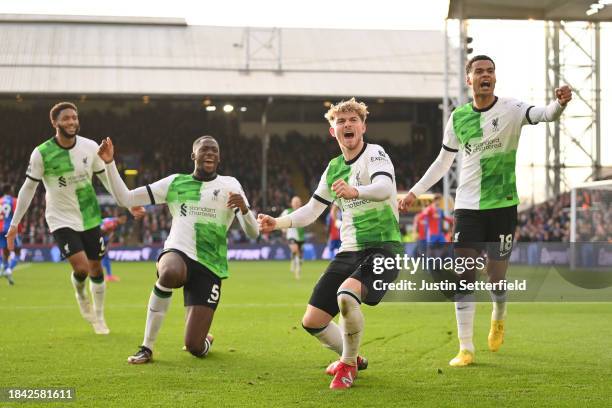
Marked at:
<point>301,217</point>
<point>24,198</point>
<point>137,212</point>
<point>434,173</point>
<point>124,197</point>
<point>552,111</point>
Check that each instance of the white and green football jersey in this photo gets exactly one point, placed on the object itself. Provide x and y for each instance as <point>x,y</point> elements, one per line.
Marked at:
<point>200,216</point>
<point>71,201</point>
<point>488,140</point>
<point>293,233</point>
<point>365,223</point>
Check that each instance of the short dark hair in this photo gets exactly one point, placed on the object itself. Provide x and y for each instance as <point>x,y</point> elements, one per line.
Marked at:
<point>202,138</point>
<point>58,107</point>
<point>468,65</point>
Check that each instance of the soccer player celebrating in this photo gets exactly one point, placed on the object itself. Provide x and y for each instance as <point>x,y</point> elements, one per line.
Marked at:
<point>295,238</point>
<point>65,164</point>
<point>8,262</point>
<point>487,132</point>
<point>362,182</point>
<point>108,227</point>
<point>203,206</point>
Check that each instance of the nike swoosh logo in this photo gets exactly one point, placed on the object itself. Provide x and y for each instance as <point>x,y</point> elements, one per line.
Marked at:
<point>347,380</point>
<point>211,301</point>
<point>154,311</point>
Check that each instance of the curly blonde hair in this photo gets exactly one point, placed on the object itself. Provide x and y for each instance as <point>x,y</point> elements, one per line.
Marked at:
<point>351,105</point>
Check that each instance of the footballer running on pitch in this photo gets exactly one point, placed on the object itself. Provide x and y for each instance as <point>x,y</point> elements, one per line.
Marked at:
<point>362,182</point>
<point>295,239</point>
<point>65,164</point>
<point>487,132</point>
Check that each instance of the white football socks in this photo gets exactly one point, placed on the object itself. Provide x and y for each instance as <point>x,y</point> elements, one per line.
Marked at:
<point>331,337</point>
<point>159,302</point>
<point>79,286</point>
<point>499,305</point>
<point>298,266</point>
<point>465,309</point>
<point>98,290</point>
<point>352,322</point>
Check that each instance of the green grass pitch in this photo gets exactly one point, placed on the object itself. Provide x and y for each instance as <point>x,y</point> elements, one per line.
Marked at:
<point>555,354</point>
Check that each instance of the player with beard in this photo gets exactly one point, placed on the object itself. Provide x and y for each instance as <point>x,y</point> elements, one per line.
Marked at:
<point>66,164</point>
<point>203,206</point>
<point>487,132</point>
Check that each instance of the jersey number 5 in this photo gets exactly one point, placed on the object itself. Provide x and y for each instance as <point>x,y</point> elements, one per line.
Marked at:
<point>214,294</point>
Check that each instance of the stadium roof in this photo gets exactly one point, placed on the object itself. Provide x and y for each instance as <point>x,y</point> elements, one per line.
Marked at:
<point>555,10</point>
<point>139,56</point>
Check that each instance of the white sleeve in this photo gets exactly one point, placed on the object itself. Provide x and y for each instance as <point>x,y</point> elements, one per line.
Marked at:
<point>304,215</point>
<point>450,141</point>
<point>380,189</point>
<point>24,198</point>
<point>380,168</point>
<point>380,164</point>
<point>98,163</point>
<point>100,171</point>
<point>549,113</point>
<point>36,168</point>
<point>149,194</point>
<point>323,193</point>
<point>434,173</point>
<point>247,221</point>
<point>102,176</point>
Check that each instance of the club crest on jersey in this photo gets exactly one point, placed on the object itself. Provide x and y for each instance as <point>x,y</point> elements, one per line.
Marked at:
<point>216,194</point>
<point>85,161</point>
<point>495,124</point>
<point>357,178</point>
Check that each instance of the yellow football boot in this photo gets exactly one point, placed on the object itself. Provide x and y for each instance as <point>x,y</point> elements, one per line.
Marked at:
<point>496,335</point>
<point>464,358</point>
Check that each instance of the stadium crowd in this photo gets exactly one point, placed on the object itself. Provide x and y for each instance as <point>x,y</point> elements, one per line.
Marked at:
<point>550,220</point>
<point>157,148</point>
